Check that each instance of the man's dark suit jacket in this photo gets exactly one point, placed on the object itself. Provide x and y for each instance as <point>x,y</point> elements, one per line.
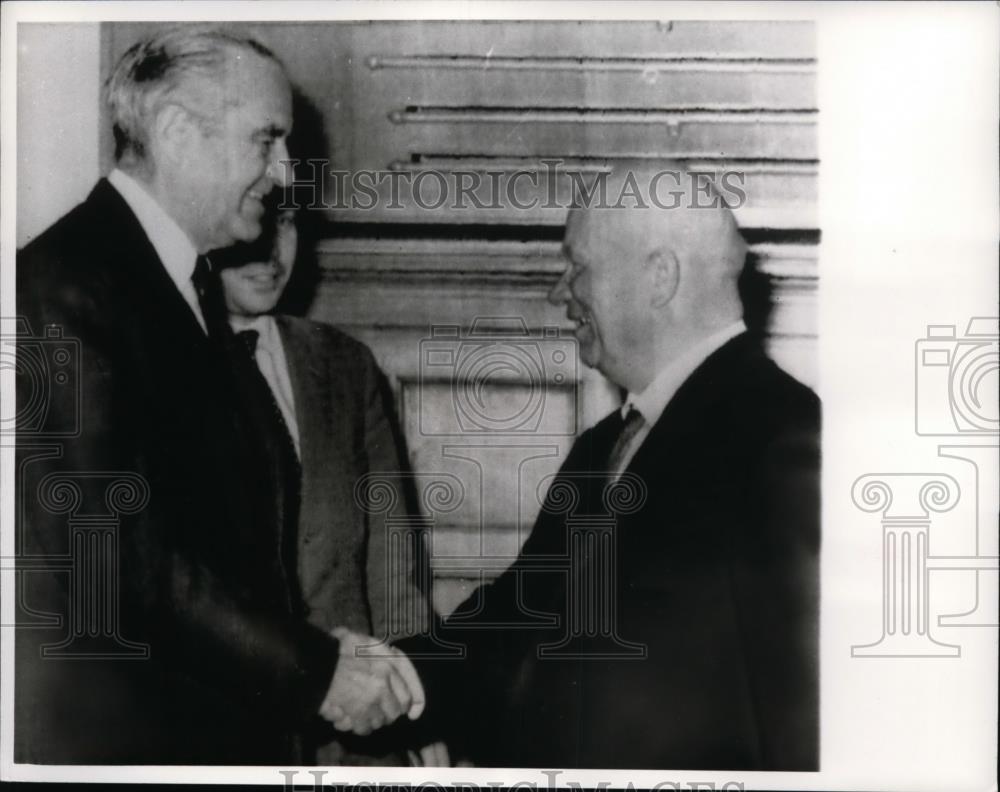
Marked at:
<point>716,575</point>
<point>348,574</point>
<point>206,573</point>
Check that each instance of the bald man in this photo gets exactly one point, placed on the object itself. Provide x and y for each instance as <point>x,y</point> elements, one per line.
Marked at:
<point>663,612</point>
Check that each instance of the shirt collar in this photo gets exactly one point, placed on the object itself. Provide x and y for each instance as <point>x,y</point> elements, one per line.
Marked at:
<point>264,324</point>
<point>172,245</point>
<point>653,400</point>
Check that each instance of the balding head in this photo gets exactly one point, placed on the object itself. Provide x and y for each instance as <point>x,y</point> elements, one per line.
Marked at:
<point>171,66</point>
<point>200,118</point>
<point>653,269</point>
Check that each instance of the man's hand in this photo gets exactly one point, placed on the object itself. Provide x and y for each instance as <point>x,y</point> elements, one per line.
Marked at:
<point>372,686</point>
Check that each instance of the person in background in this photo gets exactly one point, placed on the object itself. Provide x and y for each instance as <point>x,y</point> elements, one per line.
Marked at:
<point>338,409</point>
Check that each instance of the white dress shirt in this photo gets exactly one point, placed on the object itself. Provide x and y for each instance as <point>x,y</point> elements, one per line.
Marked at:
<point>271,361</point>
<point>172,245</point>
<point>652,401</point>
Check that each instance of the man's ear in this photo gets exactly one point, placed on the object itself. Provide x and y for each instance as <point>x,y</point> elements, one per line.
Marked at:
<point>665,276</point>
<point>173,130</point>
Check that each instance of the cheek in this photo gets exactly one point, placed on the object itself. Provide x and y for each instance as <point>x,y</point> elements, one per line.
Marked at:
<point>615,316</point>
<point>248,168</point>
<point>581,290</point>
<point>239,295</point>
<point>281,283</point>
<point>231,293</point>
<point>228,186</point>
<point>286,247</point>
<point>213,167</point>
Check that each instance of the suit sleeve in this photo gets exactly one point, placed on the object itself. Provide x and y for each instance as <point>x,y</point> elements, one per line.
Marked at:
<point>170,596</point>
<point>462,693</point>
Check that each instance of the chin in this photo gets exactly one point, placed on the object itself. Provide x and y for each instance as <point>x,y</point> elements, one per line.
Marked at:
<point>589,357</point>
<point>246,230</point>
<point>252,307</point>
<point>267,305</point>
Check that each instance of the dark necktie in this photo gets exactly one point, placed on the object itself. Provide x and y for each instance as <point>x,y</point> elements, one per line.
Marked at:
<point>630,427</point>
<point>249,340</point>
<point>208,287</point>
<point>254,400</point>
<point>281,449</point>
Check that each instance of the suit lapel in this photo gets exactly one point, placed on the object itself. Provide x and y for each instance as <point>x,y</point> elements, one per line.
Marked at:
<point>190,387</point>
<point>320,447</point>
<point>692,406</point>
<point>310,391</point>
<point>131,244</point>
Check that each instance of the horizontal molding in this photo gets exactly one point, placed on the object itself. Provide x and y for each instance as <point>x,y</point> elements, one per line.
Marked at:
<point>791,223</point>
<point>505,229</point>
<point>440,261</point>
<point>391,292</point>
<point>803,216</point>
<point>680,63</point>
<point>460,162</point>
<point>391,316</point>
<point>511,262</point>
<point>590,115</point>
<point>583,131</point>
<point>790,40</point>
<point>590,38</point>
<point>787,262</point>
<point>622,89</point>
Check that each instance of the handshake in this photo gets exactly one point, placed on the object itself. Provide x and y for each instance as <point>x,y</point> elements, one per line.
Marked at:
<point>373,685</point>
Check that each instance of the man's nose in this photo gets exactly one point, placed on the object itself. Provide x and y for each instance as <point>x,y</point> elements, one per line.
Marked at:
<point>560,293</point>
<point>279,169</point>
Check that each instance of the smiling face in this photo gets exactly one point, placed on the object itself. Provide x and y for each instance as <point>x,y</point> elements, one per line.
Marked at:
<point>604,291</point>
<point>255,288</point>
<point>237,158</point>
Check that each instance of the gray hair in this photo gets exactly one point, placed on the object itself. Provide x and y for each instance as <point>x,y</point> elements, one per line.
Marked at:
<point>156,69</point>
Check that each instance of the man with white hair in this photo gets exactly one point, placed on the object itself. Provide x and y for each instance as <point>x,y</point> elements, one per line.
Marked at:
<point>683,636</point>
<point>194,646</point>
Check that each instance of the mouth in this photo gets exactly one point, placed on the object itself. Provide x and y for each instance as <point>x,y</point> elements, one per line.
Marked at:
<point>257,199</point>
<point>266,277</point>
<point>579,321</point>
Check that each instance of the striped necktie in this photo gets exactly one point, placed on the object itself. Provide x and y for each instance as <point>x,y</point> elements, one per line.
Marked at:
<point>630,427</point>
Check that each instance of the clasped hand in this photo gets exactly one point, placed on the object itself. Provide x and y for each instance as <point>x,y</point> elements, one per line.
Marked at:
<point>372,686</point>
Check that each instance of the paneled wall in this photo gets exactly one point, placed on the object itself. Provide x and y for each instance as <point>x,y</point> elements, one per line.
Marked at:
<point>452,299</point>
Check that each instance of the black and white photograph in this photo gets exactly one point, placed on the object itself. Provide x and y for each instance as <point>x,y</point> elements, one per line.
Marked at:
<point>481,395</point>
